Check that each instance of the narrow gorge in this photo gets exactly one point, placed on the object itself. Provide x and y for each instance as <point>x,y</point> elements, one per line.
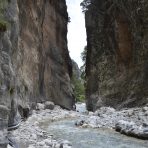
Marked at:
<point>36,71</point>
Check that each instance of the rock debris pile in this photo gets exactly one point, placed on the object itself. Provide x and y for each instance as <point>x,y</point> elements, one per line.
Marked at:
<point>132,122</point>
<point>31,135</point>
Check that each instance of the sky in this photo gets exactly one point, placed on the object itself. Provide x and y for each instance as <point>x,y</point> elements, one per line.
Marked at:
<point>76,31</point>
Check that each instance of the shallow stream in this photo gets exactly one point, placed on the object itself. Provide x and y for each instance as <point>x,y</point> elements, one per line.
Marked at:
<point>88,137</point>
<point>91,138</point>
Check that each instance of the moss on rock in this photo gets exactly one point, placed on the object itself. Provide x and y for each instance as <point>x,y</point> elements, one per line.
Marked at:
<point>3,23</point>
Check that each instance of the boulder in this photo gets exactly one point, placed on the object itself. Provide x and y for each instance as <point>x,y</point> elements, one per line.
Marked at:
<point>79,123</point>
<point>40,106</point>
<point>49,105</point>
<point>65,144</point>
<point>145,109</point>
<point>131,129</point>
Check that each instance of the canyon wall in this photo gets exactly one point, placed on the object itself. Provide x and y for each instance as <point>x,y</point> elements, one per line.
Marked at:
<point>34,60</point>
<point>117,55</point>
<point>76,70</point>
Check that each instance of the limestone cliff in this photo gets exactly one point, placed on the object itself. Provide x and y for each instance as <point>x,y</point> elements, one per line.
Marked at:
<point>117,63</point>
<point>45,67</point>
<point>34,60</point>
<point>75,70</point>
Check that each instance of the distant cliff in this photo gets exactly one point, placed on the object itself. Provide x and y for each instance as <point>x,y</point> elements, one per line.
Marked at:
<point>77,83</point>
<point>76,71</point>
<point>34,60</point>
<point>117,56</point>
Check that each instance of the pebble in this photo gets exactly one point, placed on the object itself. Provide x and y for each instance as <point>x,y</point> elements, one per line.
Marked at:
<point>42,143</point>
<point>90,113</point>
<point>31,146</point>
<point>9,146</point>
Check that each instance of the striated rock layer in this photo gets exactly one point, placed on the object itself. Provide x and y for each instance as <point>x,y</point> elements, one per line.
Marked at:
<point>117,63</point>
<point>34,60</point>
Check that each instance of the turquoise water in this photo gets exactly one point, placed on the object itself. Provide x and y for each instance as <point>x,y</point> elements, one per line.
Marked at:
<point>91,138</point>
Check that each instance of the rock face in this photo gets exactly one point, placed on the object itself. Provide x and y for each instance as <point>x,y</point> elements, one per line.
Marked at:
<point>45,65</point>
<point>34,60</point>
<point>117,63</point>
<point>75,70</point>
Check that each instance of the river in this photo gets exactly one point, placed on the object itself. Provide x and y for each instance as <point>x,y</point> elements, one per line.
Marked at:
<point>88,137</point>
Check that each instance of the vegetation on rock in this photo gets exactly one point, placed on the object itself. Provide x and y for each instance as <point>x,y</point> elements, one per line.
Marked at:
<point>79,89</point>
<point>83,67</point>
<point>85,5</point>
<point>3,23</point>
<point>79,84</point>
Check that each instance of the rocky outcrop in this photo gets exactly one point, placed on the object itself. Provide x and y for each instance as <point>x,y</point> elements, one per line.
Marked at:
<point>117,43</point>
<point>34,60</point>
<point>131,129</point>
<point>75,70</point>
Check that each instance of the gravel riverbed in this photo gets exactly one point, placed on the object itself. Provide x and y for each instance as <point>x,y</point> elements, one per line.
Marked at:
<point>132,122</point>
<point>30,135</point>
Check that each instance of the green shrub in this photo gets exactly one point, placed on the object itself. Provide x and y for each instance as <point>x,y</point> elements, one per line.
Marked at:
<point>83,67</point>
<point>79,87</point>
<point>84,4</point>
<point>3,23</point>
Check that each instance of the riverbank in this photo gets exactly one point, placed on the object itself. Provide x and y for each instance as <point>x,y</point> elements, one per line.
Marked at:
<point>131,121</point>
<point>30,134</point>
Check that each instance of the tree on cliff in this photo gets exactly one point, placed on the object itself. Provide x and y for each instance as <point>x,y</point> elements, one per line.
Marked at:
<point>78,83</point>
<point>83,57</point>
<point>85,5</point>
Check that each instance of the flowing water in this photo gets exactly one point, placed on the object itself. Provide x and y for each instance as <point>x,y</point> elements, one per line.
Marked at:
<point>90,138</point>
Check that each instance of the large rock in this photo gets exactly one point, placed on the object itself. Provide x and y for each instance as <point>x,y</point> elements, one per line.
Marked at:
<point>117,51</point>
<point>40,106</point>
<point>131,129</point>
<point>49,105</point>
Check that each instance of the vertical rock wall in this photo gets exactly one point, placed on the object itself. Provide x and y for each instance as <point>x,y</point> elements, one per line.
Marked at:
<point>45,66</point>
<point>117,63</point>
<point>34,60</point>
